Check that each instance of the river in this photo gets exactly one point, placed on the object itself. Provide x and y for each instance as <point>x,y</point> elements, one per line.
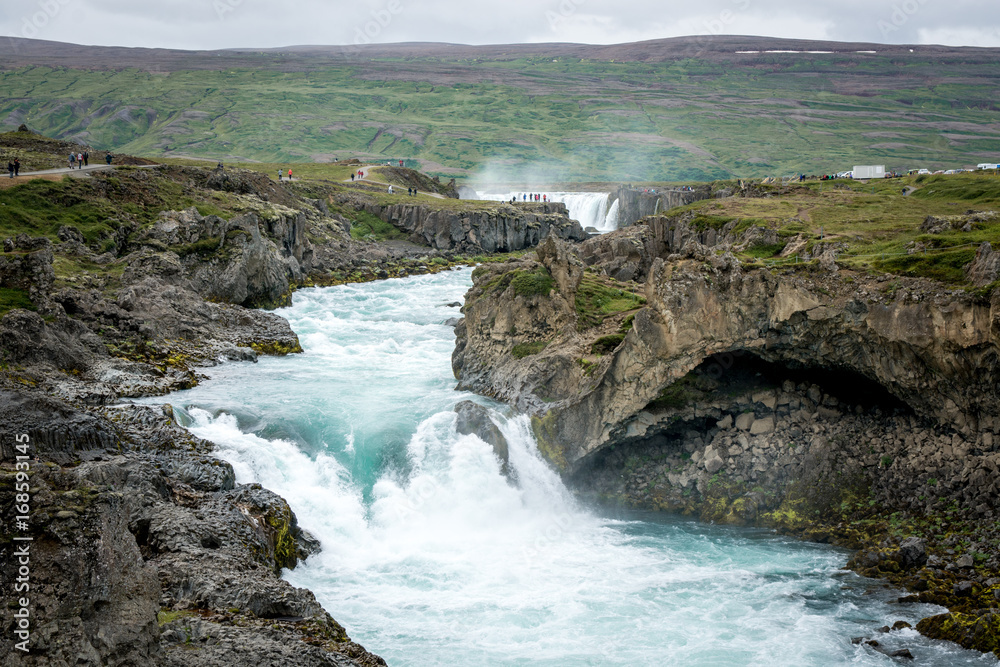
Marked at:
<point>431,556</point>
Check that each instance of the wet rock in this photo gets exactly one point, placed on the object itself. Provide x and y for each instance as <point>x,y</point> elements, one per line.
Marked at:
<point>962,589</point>
<point>474,419</point>
<point>972,631</point>
<point>901,625</point>
<point>913,552</point>
<point>901,653</point>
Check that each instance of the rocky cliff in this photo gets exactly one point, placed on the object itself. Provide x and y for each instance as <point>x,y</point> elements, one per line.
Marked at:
<point>500,228</point>
<point>799,398</point>
<point>634,203</point>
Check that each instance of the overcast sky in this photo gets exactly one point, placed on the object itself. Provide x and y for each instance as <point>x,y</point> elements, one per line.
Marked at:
<point>216,24</point>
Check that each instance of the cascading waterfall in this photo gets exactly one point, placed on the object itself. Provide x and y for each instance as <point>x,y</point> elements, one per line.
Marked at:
<point>611,220</point>
<point>590,209</point>
<point>431,556</point>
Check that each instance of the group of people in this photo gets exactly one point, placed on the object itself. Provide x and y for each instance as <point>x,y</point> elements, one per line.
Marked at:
<point>359,175</point>
<point>281,173</point>
<point>80,160</point>
<point>410,191</point>
<point>534,197</point>
<point>14,168</point>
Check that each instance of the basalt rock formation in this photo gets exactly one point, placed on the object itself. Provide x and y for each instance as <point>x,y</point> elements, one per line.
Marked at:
<point>145,551</point>
<point>634,204</point>
<point>502,228</point>
<point>662,373</point>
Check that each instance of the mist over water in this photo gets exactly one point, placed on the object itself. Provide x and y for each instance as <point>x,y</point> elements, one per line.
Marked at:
<point>590,209</point>
<point>431,556</point>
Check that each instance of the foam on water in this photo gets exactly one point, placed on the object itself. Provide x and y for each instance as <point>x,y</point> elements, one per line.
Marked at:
<point>431,556</point>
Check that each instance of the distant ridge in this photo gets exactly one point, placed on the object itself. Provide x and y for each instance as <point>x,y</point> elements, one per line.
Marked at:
<point>19,52</point>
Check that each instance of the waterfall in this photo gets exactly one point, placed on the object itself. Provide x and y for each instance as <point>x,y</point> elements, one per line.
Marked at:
<point>590,209</point>
<point>611,220</point>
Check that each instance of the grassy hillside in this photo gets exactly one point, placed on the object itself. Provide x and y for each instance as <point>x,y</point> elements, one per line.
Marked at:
<point>932,231</point>
<point>532,117</point>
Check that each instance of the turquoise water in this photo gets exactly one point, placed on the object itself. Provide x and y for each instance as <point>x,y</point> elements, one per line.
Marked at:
<point>430,556</point>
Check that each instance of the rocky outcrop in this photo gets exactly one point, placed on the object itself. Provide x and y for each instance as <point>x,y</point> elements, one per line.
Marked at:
<point>149,553</point>
<point>934,349</point>
<point>474,419</point>
<point>634,204</point>
<point>249,260</point>
<point>985,268</point>
<point>500,228</point>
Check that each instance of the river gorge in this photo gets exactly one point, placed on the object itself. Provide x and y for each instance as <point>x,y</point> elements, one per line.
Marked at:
<point>430,554</point>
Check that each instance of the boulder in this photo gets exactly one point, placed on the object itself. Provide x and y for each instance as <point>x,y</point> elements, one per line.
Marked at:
<point>745,421</point>
<point>913,553</point>
<point>762,426</point>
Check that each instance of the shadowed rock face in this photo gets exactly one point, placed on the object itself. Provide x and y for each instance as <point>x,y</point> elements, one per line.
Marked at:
<point>505,229</point>
<point>934,349</point>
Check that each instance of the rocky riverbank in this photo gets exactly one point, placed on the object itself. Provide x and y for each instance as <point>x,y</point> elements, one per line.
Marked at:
<point>664,373</point>
<point>144,549</point>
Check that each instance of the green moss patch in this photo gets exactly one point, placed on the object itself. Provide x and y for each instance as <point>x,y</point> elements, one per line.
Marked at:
<point>607,344</point>
<point>532,283</point>
<point>365,226</point>
<point>764,250</point>
<point>946,266</point>
<point>11,298</point>
<point>522,350</point>
<point>596,298</point>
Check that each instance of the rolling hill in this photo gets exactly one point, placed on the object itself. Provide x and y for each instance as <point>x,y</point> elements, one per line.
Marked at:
<point>676,109</point>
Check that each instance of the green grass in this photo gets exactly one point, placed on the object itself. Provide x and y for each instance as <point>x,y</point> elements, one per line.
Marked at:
<point>877,227</point>
<point>201,247</point>
<point>40,207</point>
<point>764,250</point>
<point>11,298</point>
<point>364,225</point>
<point>522,350</point>
<point>598,297</point>
<point>531,283</point>
<point>607,344</point>
<point>569,119</point>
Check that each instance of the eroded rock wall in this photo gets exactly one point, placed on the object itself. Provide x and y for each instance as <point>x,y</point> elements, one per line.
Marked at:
<point>934,349</point>
<point>503,228</point>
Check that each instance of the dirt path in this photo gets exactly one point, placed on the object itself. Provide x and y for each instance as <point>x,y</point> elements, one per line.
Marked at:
<point>396,188</point>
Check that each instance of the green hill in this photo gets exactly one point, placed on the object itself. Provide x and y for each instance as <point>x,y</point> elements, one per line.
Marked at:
<point>670,111</point>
